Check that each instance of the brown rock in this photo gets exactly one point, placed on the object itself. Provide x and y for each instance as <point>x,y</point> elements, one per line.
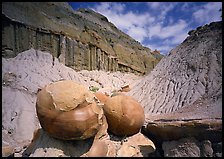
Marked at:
<point>101,97</point>
<point>127,151</point>
<point>125,116</point>
<point>7,151</point>
<point>102,146</point>
<point>125,88</point>
<point>98,149</point>
<point>66,110</point>
<point>136,145</point>
<point>177,129</point>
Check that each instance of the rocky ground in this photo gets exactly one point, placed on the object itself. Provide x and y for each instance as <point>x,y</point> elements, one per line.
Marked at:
<point>22,77</point>
<point>181,97</point>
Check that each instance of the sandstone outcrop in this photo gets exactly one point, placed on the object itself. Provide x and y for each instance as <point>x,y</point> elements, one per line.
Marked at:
<point>82,39</point>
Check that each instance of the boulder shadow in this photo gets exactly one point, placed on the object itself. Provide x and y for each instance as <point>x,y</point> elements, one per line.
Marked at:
<point>45,145</point>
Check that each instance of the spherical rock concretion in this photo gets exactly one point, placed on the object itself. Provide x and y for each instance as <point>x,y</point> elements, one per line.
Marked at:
<point>125,116</point>
<point>67,110</point>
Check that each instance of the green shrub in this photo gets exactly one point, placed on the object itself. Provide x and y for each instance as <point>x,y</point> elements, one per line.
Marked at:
<point>93,88</point>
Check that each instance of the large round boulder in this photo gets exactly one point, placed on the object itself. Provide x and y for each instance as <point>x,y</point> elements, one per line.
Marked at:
<point>125,116</point>
<point>67,110</point>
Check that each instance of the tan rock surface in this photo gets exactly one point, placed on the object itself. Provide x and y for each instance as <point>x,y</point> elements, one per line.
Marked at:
<point>125,116</point>
<point>68,111</point>
<point>7,151</point>
<point>175,129</point>
<point>137,145</point>
<point>101,97</point>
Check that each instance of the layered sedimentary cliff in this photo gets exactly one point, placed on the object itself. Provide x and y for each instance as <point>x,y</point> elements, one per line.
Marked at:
<point>81,39</point>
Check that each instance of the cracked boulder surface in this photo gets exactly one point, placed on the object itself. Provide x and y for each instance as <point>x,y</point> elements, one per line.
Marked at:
<point>67,110</point>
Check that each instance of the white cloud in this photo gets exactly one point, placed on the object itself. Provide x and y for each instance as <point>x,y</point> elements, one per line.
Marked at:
<point>154,5</point>
<point>118,7</point>
<point>132,23</point>
<point>173,30</point>
<point>138,33</point>
<point>103,6</point>
<point>161,8</point>
<point>114,12</point>
<point>177,31</point>
<point>186,6</point>
<point>154,30</point>
<point>208,13</point>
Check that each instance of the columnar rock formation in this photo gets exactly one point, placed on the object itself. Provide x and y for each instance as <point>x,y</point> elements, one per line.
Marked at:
<point>81,39</point>
<point>191,72</point>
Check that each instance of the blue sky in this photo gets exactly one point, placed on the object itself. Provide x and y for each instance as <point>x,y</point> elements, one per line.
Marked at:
<point>157,25</point>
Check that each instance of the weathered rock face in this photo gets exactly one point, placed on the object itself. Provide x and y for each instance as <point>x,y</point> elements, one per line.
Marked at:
<point>191,71</point>
<point>182,96</point>
<point>137,145</point>
<point>165,130</point>
<point>81,39</point>
<point>188,147</point>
